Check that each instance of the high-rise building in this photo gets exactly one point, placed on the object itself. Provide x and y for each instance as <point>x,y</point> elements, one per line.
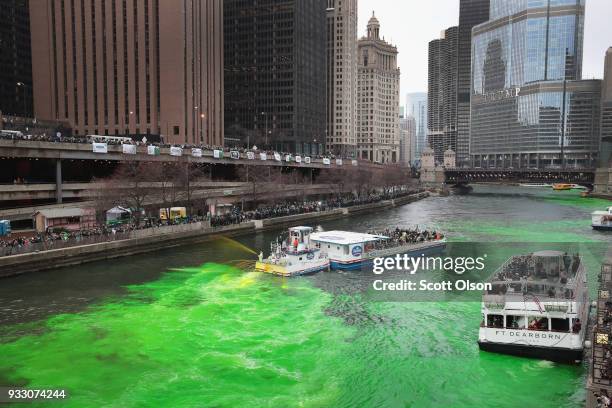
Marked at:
<point>131,67</point>
<point>442,93</point>
<point>471,13</point>
<point>342,77</point>
<point>15,58</point>
<point>275,73</point>
<point>377,97</point>
<point>606,113</point>
<point>416,106</point>
<point>529,107</point>
<point>407,140</point>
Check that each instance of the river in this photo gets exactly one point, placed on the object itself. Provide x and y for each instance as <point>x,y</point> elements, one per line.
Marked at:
<point>190,327</point>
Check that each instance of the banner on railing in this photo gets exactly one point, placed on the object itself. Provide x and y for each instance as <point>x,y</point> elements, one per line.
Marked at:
<point>251,155</point>
<point>307,160</point>
<point>277,156</point>
<point>153,151</point>
<point>354,162</point>
<point>326,161</point>
<point>339,162</point>
<point>218,154</point>
<point>263,156</point>
<point>100,147</point>
<point>298,159</point>
<point>176,151</point>
<point>235,154</point>
<point>196,152</point>
<point>288,158</point>
<point>129,149</point>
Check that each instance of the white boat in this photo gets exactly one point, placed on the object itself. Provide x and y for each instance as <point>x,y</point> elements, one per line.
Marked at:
<point>602,220</point>
<point>534,185</point>
<point>354,250</point>
<point>537,307</point>
<point>295,256</point>
<point>579,187</point>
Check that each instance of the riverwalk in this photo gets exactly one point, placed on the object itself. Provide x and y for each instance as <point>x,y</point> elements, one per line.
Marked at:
<point>154,239</point>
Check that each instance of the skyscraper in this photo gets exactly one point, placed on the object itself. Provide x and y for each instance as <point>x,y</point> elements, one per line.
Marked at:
<point>342,76</point>
<point>15,58</point>
<point>471,13</point>
<point>529,107</point>
<point>131,67</point>
<point>606,113</point>
<point>378,130</point>
<point>442,93</point>
<point>416,106</point>
<point>275,73</point>
<point>407,140</point>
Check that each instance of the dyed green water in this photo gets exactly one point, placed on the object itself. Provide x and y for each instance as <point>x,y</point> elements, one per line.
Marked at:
<point>215,336</point>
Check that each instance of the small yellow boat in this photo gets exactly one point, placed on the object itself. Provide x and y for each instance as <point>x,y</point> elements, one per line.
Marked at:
<point>562,186</point>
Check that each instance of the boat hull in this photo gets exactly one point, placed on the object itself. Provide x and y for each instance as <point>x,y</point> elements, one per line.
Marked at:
<point>282,270</point>
<point>351,265</point>
<point>555,354</point>
<point>602,227</point>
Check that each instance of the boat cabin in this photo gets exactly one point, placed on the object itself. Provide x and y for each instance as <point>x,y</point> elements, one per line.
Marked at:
<point>346,246</point>
<point>299,239</point>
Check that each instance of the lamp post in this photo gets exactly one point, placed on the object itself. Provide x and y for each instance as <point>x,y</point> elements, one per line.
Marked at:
<point>23,96</point>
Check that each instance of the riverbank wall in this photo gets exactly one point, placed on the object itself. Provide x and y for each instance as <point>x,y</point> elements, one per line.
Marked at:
<point>168,237</point>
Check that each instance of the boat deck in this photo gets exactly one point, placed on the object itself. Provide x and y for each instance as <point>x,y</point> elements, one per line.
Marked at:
<point>601,367</point>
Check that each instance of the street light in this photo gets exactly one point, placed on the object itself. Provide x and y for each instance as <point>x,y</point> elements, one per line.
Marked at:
<point>23,86</point>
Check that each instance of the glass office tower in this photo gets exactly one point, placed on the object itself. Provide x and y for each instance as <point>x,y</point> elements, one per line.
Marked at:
<point>529,106</point>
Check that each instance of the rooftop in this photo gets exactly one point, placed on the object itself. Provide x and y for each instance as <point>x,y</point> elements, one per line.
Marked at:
<point>345,237</point>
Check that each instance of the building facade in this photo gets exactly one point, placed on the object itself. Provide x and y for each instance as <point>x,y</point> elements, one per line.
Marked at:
<point>15,58</point>
<point>342,77</point>
<point>275,74</point>
<point>442,93</point>
<point>133,68</point>
<point>606,113</point>
<point>529,107</point>
<point>378,132</point>
<point>407,141</point>
<point>471,13</point>
<point>416,106</point>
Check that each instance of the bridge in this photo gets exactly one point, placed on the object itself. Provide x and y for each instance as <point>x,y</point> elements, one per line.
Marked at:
<point>458,176</point>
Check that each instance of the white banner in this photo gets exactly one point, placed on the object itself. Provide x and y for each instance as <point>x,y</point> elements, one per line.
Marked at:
<point>196,152</point>
<point>218,154</point>
<point>153,150</point>
<point>100,147</point>
<point>298,159</point>
<point>263,156</point>
<point>235,154</point>
<point>250,155</point>
<point>129,149</point>
<point>307,160</point>
<point>354,162</point>
<point>288,158</point>
<point>176,151</point>
<point>339,162</point>
<point>277,156</point>
<point>326,161</point>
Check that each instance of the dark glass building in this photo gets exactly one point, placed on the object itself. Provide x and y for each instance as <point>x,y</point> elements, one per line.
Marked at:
<point>529,107</point>
<point>442,93</point>
<point>471,13</point>
<point>15,58</point>
<point>275,74</point>
<point>606,113</point>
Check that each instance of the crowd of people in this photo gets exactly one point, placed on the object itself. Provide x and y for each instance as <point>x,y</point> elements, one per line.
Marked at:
<point>528,267</point>
<point>400,236</point>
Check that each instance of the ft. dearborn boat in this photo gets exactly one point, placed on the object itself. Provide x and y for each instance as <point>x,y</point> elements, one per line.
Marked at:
<point>602,220</point>
<point>537,307</point>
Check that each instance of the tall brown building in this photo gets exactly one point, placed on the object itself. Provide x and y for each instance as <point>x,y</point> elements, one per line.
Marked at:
<point>130,67</point>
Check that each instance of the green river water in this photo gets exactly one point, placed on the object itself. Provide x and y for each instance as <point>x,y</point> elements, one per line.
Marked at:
<point>188,328</point>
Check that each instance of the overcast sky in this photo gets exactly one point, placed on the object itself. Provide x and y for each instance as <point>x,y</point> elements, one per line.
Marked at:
<point>411,24</point>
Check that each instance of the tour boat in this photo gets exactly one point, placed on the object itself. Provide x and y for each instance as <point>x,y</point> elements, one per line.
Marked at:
<point>562,186</point>
<point>535,185</point>
<point>537,306</point>
<point>294,257</point>
<point>353,250</point>
<point>602,220</point>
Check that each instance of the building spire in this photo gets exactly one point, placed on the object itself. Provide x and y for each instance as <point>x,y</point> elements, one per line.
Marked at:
<point>373,28</point>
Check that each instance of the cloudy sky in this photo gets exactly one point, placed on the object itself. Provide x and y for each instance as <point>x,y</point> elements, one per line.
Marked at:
<point>411,24</point>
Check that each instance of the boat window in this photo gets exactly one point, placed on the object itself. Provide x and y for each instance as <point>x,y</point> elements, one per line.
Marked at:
<point>538,323</point>
<point>515,322</point>
<point>560,325</point>
<point>300,258</point>
<point>495,321</point>
<point>346,250</point>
